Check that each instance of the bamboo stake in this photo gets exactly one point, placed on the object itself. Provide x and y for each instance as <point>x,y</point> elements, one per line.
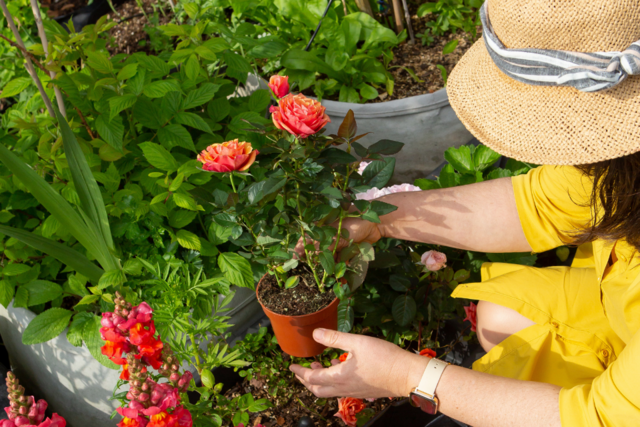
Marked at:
<point>29,64</point>
<point>45,46</point>
<point>407,17</point>
<point>397,13</point>
<point>364,6</point>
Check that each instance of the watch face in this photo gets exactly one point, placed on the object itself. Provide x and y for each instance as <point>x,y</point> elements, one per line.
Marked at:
<point>427,405</point>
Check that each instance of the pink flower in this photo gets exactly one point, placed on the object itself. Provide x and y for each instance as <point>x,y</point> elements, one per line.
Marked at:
<point>228,156</point>
<point>299,115</point>
<point>374,193</point>
<point>348,407</point>
<point>402,188</point>
<point>370,194</point>
<point>133,422</point>
<point>183,382</point>
<point>362,167</point>
<point>36,413</point>
<point>279,85</point>
<point>184,417</point>
<point>57,421</point>
<point>7,423</point>
<point>434,260</point>
<point>471,315</point>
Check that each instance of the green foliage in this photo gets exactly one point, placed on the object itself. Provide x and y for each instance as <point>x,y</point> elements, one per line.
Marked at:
<point>450,16</point>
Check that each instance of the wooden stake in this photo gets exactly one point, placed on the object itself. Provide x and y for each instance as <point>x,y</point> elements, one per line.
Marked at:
<point>45,47</point>
<point>407,17</point>
<point>29,64</point>
<point>397,13</point>
<point>364,6</point>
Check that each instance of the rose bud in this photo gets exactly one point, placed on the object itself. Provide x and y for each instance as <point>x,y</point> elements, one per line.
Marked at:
<point>279,85</point>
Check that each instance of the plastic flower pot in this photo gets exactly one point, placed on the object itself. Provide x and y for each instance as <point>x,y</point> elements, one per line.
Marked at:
<point>295,333</point>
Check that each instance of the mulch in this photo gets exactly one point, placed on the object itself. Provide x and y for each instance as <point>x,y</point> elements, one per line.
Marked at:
<point>129,36</point>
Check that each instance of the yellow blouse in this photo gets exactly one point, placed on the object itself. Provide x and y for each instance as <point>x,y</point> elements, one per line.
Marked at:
<point>552,203</point>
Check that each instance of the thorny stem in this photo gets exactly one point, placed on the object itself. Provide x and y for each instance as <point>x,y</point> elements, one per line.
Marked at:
<point>304,239</point>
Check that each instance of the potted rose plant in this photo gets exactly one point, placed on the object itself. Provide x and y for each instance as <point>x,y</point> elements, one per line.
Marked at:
<point>299,185</point>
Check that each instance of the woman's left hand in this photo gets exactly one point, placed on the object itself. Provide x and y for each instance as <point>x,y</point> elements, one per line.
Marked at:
<point>374,368</point>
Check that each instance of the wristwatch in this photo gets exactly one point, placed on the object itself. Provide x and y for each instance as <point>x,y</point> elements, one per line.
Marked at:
<point>424,396</point>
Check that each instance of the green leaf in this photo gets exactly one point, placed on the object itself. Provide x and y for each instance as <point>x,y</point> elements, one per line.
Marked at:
<point>368,91</point>
<point>450,47</point>
<point>268,50</point>
<point>111,278</point>
<point>448,177</point>
<point>46,326</point>
<point>237,66</point>
<point>192,120</point>
<point>348,128</point>
<point>200,96</point>
<point>15,269</point>
<point>292,282</point>
<point>236,268</point>
<point>160,88</point>
<point>188,240</point>
<point>426,184</point>
<point>88,299</point>
<point>76,287</point>
<point>62,253</point>
<point>91,337</point>
<point>15,86</point>
<point>460,159</point>
<point>180,218</point>
<point>111,132</point>
<point>119,103</point>
<point>42,291</point>
<point>259,100</point>
<point>7,291</point>
<point>483,157</point>
<point>399,283</point>
<point>379,172</point>
<point>148,113</point>
<point>159,157</point>
<point>218,109</point>
<point>99,62</point>
<point>345,316</point>
<point>337,156</point>
<point>382,208</point>
<point>127,71</point>
<point>327,261</point>
<point>404,309</point>
<point>386,147</point>
<point>192,67</point>
<point>259,190</point>
<point>176,135</point>
<point>76,328</point>
<point>185,201</point>
<point>367,251</point>
<point>298,59</point>
<point>522,258</point>
<point>88,192</point>
<point>22,298</point>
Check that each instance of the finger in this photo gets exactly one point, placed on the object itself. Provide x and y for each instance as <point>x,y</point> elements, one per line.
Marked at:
<point>334,339</point>
<point>316,365</point>
<point>312,376</point>
<point>324,391</point>
<point>335,362</point>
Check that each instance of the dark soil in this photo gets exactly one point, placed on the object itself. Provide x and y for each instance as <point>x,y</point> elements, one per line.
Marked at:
<point>300,402</point>
<point>62,7</point>
<point>302,299</point>
<point>129,36</point>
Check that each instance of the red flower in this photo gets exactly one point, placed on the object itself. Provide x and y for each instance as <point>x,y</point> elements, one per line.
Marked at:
<point>163,419</point>
<point>138,334</point>
<point>279,85</point>
<point>184,417</point>
<point>133,422</point>
<point>299,115</point>
<point>113,350</point>
<point>56,421</point>
<point>228,156</point>
<point>348,407</point>
<point>343,357</point>
<point>471,316</point>
<point>428,352</point>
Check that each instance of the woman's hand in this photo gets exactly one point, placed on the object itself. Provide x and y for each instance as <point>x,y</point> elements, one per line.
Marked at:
<point>374,368</point>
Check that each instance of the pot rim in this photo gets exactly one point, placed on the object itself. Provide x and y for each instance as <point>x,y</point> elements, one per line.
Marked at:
<point>398,107</point>
<point>301,316</point>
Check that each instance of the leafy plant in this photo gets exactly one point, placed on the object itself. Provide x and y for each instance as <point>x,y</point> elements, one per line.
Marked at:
<point>450,15</point>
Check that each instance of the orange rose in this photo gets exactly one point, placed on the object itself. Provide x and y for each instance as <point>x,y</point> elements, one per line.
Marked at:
<point>348,407</point>
<point>279,85</point>
<point>343,357</point>
<point>471,315</point>
<point>299,115</point>
<point>428,352</point>
<point>228,156</point>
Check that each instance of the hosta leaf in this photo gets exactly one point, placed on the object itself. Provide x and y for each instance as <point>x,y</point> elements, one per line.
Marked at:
<point>46,326</point>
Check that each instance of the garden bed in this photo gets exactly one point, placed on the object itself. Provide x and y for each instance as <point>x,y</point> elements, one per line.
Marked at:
<point>132,34</point>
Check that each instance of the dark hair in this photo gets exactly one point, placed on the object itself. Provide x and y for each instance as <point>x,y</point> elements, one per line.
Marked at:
<point>614,201</point>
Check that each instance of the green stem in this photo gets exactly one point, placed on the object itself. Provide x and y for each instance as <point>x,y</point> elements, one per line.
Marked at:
<point>195,352</point>
<point>232,184</point>
<point>304,240</point>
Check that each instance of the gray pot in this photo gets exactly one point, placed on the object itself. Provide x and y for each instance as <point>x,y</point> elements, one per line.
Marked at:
<point>425,123</point>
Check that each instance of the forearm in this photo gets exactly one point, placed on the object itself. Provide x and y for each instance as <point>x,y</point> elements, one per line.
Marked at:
<point>483,400</point>
<point>481,217</point>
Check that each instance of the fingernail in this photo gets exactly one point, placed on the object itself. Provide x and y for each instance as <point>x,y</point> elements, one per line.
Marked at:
<point>318,334</point>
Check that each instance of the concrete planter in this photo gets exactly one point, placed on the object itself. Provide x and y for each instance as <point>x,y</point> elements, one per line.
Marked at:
<point>425,123</point>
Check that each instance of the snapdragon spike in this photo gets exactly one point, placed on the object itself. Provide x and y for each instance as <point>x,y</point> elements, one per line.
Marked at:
<point>24,410</point>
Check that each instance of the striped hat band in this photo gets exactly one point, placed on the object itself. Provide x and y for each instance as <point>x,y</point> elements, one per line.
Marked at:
<point>587,72</point>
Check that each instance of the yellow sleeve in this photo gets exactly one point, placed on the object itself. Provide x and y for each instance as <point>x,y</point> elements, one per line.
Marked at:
<point>611,400</point>
<point>553,202</point>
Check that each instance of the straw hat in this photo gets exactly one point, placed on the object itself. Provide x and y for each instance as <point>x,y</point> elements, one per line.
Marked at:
<point>543,124</point>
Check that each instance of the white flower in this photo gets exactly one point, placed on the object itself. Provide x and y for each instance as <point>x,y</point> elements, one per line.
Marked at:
<point>374,193</point>
<point>370,194</point>
<point>362,166</point>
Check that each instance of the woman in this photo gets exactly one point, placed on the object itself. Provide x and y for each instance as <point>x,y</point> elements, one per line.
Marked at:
<point>563,343</point>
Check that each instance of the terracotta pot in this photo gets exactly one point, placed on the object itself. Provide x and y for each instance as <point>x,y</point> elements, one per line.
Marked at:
<point>295,333</point>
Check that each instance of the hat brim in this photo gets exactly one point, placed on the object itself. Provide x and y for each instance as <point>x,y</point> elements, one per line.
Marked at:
<point>542,124</point>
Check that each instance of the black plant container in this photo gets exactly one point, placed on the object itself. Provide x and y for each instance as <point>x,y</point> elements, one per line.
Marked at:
<point>87,15</point>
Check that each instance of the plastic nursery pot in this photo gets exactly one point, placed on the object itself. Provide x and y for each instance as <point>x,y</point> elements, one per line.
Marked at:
<point>295,333</point>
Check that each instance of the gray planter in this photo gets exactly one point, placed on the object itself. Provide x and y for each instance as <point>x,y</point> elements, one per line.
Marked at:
<point>425,123</point>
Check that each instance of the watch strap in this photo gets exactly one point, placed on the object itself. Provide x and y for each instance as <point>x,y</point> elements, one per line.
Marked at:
<point>431,377</point>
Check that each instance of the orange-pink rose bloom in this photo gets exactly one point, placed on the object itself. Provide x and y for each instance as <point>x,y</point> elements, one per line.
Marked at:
<point>228,156</point>
<point>279,85</point>
<point>299,115</point>
<point>471,312</point>
<point>348,407</point>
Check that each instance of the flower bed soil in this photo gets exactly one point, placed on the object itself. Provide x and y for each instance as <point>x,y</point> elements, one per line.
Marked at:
<point>300,300</point>
<point>129,33</point>
<point>62,7</point>
<point>299,402</point>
